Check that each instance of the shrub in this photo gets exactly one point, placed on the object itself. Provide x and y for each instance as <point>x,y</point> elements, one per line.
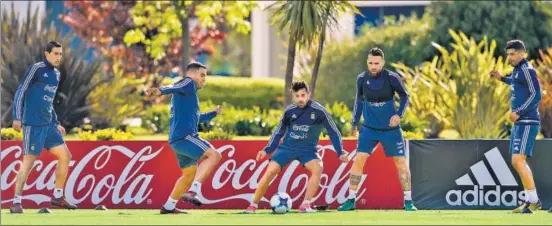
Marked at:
<point>242,92</point>
<point>456,92</point>
<point>404,41</point>
<point>544,70</point>
<point>105,134</point>
<point>11,134</point>
<point>530,21</point>
<point>157,118</point>
<point>342,116</point>
<point>216,134</point>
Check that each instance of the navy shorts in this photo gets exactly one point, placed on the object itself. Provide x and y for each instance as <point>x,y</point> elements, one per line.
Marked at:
<point>189,150</point>
<point>35,138</point>
<point>284,156</point>
<point>391,140</point>
<point>523,138</point>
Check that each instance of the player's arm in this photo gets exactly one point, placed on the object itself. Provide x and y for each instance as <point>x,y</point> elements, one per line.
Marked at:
<point>183,87</point>
<point>20,93</point>
<point>506,79</point>
<point>398,85</point>
<point>277,135</point>
<point>530,79</point>
<point>205,117</point>
<point>55,117</point>
<point>333,132</point>
<point>357,109</point>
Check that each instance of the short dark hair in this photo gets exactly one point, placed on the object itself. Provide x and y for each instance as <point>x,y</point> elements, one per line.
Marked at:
<point>195,66</point>
<point>296,86</point>
<point>376,52</point>
<point>515,44</point>
<point>51,45</point>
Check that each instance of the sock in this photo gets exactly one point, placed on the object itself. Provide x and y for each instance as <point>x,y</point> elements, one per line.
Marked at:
<point>17,199</point>
<point>407,195</point>
<point>58,193</point>
<point>170,204</point>
<point>306,201</point>
<point>352,194</point>
<point>532,196</point>
<point>254,205</point>
<point>195,186</point>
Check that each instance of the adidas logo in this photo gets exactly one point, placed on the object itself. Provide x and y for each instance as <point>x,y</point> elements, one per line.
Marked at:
<point>294,116</point>
<point>502,190</point>
<point>45,75</point>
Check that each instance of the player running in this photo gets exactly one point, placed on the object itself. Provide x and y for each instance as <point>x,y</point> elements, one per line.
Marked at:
<point>188,147</point>
<point>526,97</point>
<point>302,123</point>
<point>375,101</point>
<point>34,113</point>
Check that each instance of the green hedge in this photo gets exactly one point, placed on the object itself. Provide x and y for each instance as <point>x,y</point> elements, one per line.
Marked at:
<point>242,92</point>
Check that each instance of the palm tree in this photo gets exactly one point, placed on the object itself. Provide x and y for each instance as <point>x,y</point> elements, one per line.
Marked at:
<point>331,12</point>
<point>303,21</point>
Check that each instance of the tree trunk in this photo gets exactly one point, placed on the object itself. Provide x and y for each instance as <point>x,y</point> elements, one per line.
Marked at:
<point>289,67</point>
<point>320,50</point>
<point>186,42</point>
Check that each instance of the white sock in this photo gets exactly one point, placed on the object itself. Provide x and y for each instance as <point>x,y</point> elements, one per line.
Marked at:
<point>408,195</point>
<point>532,196</point>
<point>254,205</point>
<point>17,199</point>
<point>58,193</point>
<point>352,194</point>
<point>196,186</point>
<point>170,204</point>
<point>306,201</point>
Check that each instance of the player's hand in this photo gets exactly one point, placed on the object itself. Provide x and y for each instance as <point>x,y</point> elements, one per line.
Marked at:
<point>154,91</point>
<point>16,125</point>
<point>395,120</point>
<point>61,130</point>
<point>218,109</point>
<point>514,116</point>
<point>354,131</point>
<point>495,74</point>
<point>261,155</point>
<point>344,157</point>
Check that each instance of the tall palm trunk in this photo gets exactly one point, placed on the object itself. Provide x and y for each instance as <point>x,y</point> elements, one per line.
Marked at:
<point>289,67</point>
<point>185,40</point>
<point>319,53</point>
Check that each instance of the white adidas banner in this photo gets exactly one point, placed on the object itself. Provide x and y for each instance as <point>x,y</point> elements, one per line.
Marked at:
<point>474,174</point>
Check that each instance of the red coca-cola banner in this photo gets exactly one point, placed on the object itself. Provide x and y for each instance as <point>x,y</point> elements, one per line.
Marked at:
<point>141,174</point>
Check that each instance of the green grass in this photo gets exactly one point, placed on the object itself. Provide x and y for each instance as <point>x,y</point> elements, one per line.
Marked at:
<point>226,217</point>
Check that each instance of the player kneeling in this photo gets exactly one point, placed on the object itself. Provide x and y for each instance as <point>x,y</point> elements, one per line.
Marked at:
<point>303,122</point>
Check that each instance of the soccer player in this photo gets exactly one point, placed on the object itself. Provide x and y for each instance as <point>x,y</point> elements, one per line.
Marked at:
<point>188,147</point>
<point>33,112</point>
<point>301,124</point>
<point>375,92</point>
<point>526,97</point>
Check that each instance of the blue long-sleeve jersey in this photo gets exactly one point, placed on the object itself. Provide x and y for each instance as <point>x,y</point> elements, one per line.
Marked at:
<point>375,99</point>
<point>33,102</point>
<point>302,127</point>
<point>525,93</point>
<point>185,115</point>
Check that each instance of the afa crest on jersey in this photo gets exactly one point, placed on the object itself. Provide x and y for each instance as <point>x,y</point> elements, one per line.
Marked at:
<point>313,116</point>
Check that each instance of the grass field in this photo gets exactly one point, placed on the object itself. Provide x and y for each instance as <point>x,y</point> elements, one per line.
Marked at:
<point>264,217</point>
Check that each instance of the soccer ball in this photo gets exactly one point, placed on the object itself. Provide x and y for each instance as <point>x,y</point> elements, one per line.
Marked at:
<point>280,203</point>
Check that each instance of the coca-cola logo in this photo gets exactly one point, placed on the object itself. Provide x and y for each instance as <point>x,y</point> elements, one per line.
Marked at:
<point>130,186</point>
<point>230,174</point>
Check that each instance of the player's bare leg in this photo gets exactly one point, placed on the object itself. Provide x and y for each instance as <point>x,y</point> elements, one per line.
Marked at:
<point>28,161</point>
<point>519,161</point>
<point>404,177</point>
<point>64,157</point>
<point>209,160</point>
<point>354,180</point>
<point>315,168</point>
<point>181,185</point>
<point>272,170</point>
